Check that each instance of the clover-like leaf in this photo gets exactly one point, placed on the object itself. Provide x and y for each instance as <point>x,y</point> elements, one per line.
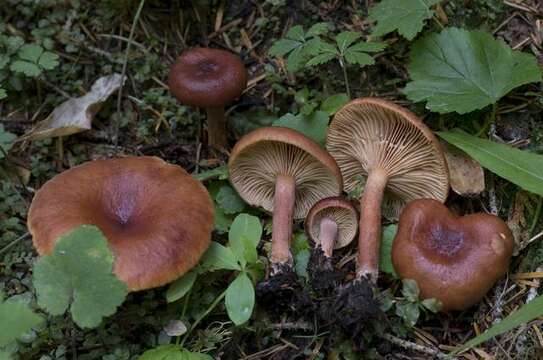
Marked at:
<point>6,140</point>
<point>3,95</point>
<point>406,16</point>
<point>17,319</point>
<point>78,275</point>
<point>48,60</point>
<point>461,71</point>
<point>26,67</point>
<point>410,290</point>
<point>30,52</point>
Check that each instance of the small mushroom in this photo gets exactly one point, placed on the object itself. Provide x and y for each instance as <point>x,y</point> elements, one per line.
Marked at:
<point>286,173</point>
<point>210,79</point>
<point>394,156</point>
<point>156,217</point>
<point>453,259</point>
<point>332,223</point>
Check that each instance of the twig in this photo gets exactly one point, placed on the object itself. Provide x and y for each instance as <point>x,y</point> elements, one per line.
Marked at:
<point>415,347</point>
<point>8,246</point>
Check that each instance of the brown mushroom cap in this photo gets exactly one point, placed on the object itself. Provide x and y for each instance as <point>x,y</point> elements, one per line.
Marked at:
<point>261,155</point>
<point>453,259</point>
<point>207,78</point>
<point>157,218</point>
<point>372,133</point>
<point>341,211</point>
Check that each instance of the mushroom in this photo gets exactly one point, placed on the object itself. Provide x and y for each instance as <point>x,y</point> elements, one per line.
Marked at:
<point>453,259</point>
<point>331,224</point>
<point>210,79</point>
<point>394,156</point>
<point>156,217</point>
<point>286,173</point>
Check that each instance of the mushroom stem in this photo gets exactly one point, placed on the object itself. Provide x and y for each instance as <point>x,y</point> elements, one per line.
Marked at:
<point>369,237</point>
<point>283,210</point>
<point>327,235</point>
<point>216,128</point>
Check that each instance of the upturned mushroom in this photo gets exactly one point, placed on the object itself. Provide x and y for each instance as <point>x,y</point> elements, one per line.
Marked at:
<point>286,173</point>
<point>156,217</point>
<point>210,79</point>
<point>331,224</point>
<point>453,259</point>
<point>394,156</point>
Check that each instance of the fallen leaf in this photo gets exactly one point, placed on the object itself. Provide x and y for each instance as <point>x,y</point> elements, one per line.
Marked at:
<point>75,115</point>
<point>466,175</point>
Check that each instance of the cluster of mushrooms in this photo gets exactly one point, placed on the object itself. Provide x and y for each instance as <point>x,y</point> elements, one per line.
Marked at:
<point>158,219</point>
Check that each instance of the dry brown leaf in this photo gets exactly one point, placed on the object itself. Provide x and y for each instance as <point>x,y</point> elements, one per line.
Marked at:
<point>466,175</point>
<point>75,115</point>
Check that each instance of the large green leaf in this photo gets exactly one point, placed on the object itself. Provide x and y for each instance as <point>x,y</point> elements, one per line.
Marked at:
<point>181,286</point>
<point>78,274</point>
<point>16,320</point>
<point>525,314</point>
<point>313,126</point>
<point>385,257</point>
<point>522,168</point>
<point>240,299</point>
<point>460,71</point>
<point>219,257</point>
<point>172,352</point>
<point>244,236</point>
<point>406,16</point>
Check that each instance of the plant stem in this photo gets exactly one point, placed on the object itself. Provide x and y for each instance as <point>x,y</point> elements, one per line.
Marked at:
<point>8,246</point>
<point>203,316</point>
<point>369,237</point>
<point>536,215</point>
<point>283,210</point>
<point>327,235</point>
<point>488,121</point>
<point>345,78</point>
<point>216,128</point>
<point>436,20</point>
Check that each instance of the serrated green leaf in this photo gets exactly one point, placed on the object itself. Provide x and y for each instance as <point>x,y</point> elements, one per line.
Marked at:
<point>17,319</point>
<point>172,352</point>
<point>219,257</point>
<point>283,46</point>
<point>3,95</point>
<point>321,59</point>
<point>345,39</point>
<point>385,257</point>
<point>229,200</point>
<point>240,299</point>
<point>48,60</point>
<point>359,58</point>
<point>4,60</point>
<point>313,126</point>
<point>318,29</point>
<point>30,52</point>
<point>522,168</point>
<point>334,103</point>
<point>295,59</point>
<point>13,44</point>
<point>243,238</point>
<point>410,290</point>
<point>461,71</point>
<point>78,274</point>
<point>25,67</point>
<point>180,287</point>
<point>296,33</point>
<point>368,47</point>
<point>406,16</point>
<point>6,139</point>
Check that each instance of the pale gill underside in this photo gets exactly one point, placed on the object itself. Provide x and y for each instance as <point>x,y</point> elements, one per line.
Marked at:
<point>346,221</point>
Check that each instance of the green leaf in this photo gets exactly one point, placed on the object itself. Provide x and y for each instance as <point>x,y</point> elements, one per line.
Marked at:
<point>301,259</point>
<point>172,352</point>
<point>358,58</point>
<point>221,221</point>
<point>317,46</point>
<point>318,29</point>
<point>346,39</point>
<point>460,70</point>
<point>410,290</point>
<point>6,140</point>
<point>4,61</point>
<point>434,305</point>
<point>17,320</point>
<point>219,257</point>
<point>25,67</point>
<point>522,168</point>
<point>220,172</point>
<point>282,47</point>
<point>368,47</point>
<point>296,59</point>
<point>243,238</point>
<point>524,315</point>
<point>229,200</point>
<point>385,258</point>
<point>3,95</point>
<point>180,287</point>
<point>4,355</point>
<point>30,52</point>
<point>334,103</point>
<point>296,33</point>
<point>48,60</point>
<point>321,59</point>
<point>409,312</point>
<point>14,43</point>
<point>406,16</point>
<point>313,126</point>
<point>240,299</point>
<point>78,274</point>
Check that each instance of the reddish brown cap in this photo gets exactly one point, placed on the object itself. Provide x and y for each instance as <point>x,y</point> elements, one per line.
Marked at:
<point>453,259</point>
<point>341,211</point>
<point>157,218</point>
<point>368,134</point>
<point>261,155</point>
<point>207,78</point>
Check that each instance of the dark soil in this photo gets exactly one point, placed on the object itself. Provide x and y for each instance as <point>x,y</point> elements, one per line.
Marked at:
<point>324,277</point>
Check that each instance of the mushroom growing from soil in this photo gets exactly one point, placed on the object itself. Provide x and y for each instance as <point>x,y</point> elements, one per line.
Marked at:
<point>331,224</point>
<point>210,79</point>
<point>156,217</point>
<point>395,158</point>
<point>453,259</point>
<point>285,173</point>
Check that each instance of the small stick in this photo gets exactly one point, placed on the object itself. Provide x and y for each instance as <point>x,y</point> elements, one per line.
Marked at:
<point>415,347</point>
